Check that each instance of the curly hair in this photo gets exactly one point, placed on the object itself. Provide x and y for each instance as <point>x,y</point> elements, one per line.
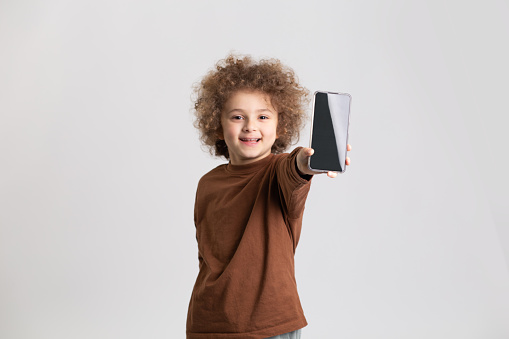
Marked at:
<point>236,73</point>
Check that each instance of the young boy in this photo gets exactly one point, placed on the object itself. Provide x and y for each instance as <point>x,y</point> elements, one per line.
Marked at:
<point>248,213</point>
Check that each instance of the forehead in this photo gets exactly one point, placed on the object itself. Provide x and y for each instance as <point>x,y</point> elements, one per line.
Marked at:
<point>244,99</point>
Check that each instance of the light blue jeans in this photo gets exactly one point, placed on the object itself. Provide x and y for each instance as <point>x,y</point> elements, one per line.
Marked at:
<point>289,335</point>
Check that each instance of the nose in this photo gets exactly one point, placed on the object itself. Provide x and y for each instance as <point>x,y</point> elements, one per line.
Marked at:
<point>249,125</point>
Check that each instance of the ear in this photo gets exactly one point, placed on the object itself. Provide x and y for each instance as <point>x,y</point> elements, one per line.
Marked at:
<point>278,131</point>
<point>220,135</point>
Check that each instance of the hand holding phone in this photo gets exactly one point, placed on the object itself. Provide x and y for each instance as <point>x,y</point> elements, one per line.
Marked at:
<point>329,131</point>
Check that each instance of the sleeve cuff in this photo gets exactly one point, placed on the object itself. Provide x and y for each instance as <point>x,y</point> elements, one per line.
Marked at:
<point>295,174</point>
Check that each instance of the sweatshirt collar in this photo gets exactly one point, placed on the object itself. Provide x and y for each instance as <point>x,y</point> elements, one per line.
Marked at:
<point>248,168</point>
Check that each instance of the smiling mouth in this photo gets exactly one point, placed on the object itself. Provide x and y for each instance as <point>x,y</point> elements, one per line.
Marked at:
<point>250,139</point>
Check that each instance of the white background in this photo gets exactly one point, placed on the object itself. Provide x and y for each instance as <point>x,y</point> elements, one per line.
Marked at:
<point>99,163</point>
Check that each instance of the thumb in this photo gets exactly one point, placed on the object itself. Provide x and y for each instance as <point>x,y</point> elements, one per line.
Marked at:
<point>307,152</point>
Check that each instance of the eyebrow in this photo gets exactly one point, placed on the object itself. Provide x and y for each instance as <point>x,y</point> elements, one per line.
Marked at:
<point>257,111</point>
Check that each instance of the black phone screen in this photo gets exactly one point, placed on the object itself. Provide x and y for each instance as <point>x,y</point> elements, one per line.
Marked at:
<point>329,134</point>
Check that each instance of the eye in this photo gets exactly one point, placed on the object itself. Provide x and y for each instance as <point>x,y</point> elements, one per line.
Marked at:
<point>264,117</point>
<point>237,117</point>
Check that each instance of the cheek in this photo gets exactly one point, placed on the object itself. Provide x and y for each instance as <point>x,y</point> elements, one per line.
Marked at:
<point>274,130</point>
<point>229,131</point>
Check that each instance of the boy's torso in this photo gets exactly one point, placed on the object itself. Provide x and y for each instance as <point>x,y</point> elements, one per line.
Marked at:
<point>248,221</point>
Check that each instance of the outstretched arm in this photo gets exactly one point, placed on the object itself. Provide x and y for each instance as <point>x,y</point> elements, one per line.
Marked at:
<point>302,162</point>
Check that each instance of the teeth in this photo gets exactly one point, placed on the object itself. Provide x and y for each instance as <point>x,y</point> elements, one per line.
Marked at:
<point>250,139</point>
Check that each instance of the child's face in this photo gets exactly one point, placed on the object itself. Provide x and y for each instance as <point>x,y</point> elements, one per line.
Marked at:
<point>249,125</point>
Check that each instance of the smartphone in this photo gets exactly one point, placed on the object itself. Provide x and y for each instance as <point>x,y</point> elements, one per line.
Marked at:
<point>329,131</point>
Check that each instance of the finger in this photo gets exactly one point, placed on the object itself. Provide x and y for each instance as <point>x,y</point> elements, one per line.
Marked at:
<point>305,153</point>
<point>348,147</point>
<point>332,174</point>
<point>347,160</point>
<point>309,151</point>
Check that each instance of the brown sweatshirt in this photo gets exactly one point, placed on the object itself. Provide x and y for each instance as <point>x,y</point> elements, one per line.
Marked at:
<point>248,221</point>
